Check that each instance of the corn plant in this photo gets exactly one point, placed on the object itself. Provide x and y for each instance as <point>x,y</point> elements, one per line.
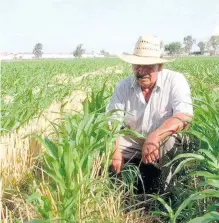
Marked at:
<point>205,128</point>
<point>81,140</point>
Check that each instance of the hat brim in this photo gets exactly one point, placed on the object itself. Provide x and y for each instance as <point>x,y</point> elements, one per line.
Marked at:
<point>133,59</point>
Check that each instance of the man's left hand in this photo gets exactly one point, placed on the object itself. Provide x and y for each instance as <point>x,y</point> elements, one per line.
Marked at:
<point>151,148</point>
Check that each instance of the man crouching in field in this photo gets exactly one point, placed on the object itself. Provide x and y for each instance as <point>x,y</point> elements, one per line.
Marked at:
<point>156,103</point>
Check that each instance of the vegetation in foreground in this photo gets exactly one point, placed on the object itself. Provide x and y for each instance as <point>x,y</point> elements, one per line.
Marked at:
<point>70,182</point>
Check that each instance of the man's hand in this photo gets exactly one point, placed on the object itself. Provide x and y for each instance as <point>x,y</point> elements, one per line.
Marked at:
<point>117,161</point>
<point>151,148</point>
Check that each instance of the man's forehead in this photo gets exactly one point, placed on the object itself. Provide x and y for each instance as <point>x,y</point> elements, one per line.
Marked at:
<point>146,66</point>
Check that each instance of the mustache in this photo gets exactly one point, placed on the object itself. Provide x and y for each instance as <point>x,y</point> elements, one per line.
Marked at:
<point>139,76</point>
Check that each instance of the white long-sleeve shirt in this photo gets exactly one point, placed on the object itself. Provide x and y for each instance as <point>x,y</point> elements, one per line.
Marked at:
<point>170,95</point>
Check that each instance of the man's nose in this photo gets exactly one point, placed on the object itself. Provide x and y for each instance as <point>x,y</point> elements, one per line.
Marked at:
<point>141,70</point>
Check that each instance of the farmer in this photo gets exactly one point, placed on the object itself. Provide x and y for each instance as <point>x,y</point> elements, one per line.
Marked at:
<point>156,103</point>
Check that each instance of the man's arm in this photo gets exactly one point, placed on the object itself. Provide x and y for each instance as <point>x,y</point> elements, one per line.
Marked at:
<point>117,102</point>
<point>173,124</point>
<point>117,159</point>
<point>181,105</point>
<point>182,116</point>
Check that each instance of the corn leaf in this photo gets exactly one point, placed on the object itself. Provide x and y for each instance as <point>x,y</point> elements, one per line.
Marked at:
<point>209,217</point>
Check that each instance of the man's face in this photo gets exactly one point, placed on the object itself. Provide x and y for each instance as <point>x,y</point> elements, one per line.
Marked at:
<point>146,75</point>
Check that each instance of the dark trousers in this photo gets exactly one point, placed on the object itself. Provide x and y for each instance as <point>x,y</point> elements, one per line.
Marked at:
<point>149,179</point>
<point>156,178</point>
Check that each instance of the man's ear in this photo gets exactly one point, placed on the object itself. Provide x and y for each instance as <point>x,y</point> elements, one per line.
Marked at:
<point>160,66</point>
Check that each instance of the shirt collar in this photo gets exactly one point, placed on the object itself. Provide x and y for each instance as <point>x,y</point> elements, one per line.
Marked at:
<point>134,83</point>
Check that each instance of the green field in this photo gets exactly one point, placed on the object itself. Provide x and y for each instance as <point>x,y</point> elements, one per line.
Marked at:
<point>29,87</point>
<point>68,180</point>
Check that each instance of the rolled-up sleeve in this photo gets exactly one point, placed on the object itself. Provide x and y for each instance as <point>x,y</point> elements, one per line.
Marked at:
<point>181,95</point>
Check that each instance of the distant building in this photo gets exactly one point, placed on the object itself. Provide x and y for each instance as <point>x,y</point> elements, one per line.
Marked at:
<point>6,56</point>
<point>92,55</point>
<point>29,56</point>
<point>206,53</point>
<point>57,56</point>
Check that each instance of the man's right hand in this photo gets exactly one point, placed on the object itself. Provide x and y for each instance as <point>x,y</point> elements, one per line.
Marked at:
<point>117,161</point>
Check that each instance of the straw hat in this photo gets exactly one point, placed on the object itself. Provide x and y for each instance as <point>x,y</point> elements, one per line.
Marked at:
<point>147,51</point>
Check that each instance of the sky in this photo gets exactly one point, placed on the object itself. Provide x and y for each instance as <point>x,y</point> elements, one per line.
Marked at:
<point>113,25</point>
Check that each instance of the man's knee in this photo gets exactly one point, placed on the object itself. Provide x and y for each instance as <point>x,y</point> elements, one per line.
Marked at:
<point>170,148</point>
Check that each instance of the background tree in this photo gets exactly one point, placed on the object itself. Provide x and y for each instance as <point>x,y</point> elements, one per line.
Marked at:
<point>214,43</point>
<point>208,46</point>
<point>202,46</point>
<point>79,51</point>
<point>173,48</point>
<point>37,51</point>
<point>188,41</point>
<point>103,52</point>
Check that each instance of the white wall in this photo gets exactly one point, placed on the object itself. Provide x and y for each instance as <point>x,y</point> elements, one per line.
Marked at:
<point>20,56</point>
